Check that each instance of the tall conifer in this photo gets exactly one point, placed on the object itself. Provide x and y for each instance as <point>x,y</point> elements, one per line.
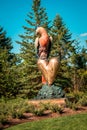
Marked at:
<point>31,76</point>
<point>7,60</point>
<point>63,48</point>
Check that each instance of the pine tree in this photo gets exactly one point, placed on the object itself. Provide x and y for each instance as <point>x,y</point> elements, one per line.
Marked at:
<point>63,48</point>
<point>7,60</point>
<point>31,76</point>
<point>78,69</point>
<point>62,43</point>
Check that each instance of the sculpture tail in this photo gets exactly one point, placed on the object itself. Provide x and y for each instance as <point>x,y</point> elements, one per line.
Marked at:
<point>43,80</point>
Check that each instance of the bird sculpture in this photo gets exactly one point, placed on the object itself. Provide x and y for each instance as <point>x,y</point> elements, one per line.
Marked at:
<point>43,45</point>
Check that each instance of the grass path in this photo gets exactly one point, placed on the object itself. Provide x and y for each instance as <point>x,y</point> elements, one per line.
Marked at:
<point>74,122</point>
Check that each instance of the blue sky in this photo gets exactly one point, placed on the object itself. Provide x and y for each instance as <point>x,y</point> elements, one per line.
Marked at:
<point>73,12</point>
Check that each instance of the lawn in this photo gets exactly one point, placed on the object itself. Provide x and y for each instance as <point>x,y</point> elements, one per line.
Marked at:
<point>73,122</point>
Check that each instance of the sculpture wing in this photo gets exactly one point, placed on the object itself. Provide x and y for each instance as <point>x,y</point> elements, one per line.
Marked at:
<point>36,42</point>
<point>37,45</point>
<point>49,45</point>
<point>51,39</point>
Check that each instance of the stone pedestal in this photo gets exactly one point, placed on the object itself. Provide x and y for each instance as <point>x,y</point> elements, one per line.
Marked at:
<point>50,92</point>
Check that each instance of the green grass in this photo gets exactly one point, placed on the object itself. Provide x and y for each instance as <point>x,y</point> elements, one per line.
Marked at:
<point>74,122</point>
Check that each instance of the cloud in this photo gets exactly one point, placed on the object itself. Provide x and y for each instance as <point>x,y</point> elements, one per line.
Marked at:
<point>83,34</point>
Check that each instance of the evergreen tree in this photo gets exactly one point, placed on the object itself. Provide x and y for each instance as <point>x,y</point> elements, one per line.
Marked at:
<point>63,48</point>
<point>78,69</point>
<point>7,60</point>
<point>31,76</point>
<point>62,43</point>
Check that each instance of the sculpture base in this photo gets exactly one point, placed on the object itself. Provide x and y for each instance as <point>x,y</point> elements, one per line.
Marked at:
<point>50,92</point>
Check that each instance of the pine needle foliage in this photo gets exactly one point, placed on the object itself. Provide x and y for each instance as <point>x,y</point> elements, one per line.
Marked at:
<point>7,61</point>
<point>31,76</point>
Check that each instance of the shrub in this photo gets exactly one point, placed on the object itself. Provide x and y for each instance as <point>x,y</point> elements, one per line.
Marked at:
<point>4,112</point>
<point>29,108</point>
<point>74,97</point>
<point>38,111</point>
<point>71,104</point>
<point>3,119</point>
<point>17,113</point>
<point>46,106</point>
<point>83,101</point>
<point>56,108</point>
<point>17,109</point>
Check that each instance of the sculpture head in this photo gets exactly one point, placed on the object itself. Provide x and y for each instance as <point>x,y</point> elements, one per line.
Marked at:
<point>40,31</point>
<point>43,43</point>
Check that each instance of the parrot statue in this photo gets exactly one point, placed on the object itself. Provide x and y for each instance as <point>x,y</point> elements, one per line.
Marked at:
<point>43,43</point>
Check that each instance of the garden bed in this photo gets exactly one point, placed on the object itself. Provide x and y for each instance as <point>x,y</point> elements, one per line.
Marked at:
<point>28,116</point>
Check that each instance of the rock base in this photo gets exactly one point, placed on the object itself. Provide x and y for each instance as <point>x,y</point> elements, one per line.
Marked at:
<point>50,92</point>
